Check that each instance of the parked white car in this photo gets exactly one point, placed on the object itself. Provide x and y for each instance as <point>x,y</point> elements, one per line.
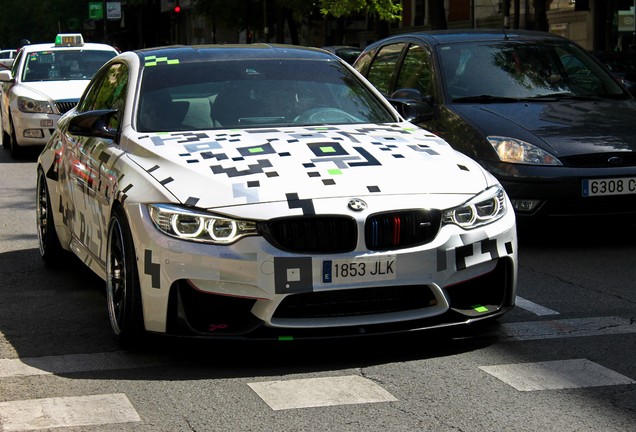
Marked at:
<point>44,82</point>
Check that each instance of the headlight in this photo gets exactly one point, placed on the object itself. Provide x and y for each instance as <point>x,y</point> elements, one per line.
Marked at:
<point>483,209</point>
<point>29,105</point>
<point>513,150</point>
<point>200,226</point>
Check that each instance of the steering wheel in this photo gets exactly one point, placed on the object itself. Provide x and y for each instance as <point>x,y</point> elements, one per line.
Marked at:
<point>326,115</point>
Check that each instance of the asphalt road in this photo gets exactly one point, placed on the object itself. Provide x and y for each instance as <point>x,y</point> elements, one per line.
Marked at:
<point>563,360</point>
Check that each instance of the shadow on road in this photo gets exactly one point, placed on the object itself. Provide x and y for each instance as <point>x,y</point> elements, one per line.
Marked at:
<point>62,312</point>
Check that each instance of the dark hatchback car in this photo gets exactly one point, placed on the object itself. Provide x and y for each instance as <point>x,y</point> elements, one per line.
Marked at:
<point>535,109</point>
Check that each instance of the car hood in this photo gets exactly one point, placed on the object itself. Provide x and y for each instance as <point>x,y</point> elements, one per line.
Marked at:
<point>236,167</point>
<point>58,90</point>
<point>564,128</point>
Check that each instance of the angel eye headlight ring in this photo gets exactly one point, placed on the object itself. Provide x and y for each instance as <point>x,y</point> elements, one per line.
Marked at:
<point>484,208</point>
<point>187,226</point>
<point>222,229</point>
<point>198,225</point>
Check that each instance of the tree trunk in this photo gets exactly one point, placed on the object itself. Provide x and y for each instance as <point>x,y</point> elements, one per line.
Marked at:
<point>438,15</point>
<point>540,15</point>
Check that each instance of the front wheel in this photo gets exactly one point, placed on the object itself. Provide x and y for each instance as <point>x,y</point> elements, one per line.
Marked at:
<point>123,294</point>
<point>16,151</point>
<point>4,137</point>
<point>50,248</point>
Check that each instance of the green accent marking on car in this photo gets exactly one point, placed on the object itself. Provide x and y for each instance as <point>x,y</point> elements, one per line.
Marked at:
<point>154,61</point>
<point>285,338</point>
<point>327,149</point>
<point>256,150</point>
<point>480,308</point>
<point>334,171</point>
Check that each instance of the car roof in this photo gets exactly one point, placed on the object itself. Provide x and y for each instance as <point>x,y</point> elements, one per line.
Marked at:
<point>474,35</point>
<point>192,53</point>
<point>52,47</point>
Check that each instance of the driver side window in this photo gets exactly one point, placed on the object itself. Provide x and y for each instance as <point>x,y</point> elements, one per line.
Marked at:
<point>108,91</point>
<point>416,71</point>
<point>383,67</point>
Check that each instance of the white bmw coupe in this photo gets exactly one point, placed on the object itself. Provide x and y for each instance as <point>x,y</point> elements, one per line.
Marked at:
<point>269,192</point>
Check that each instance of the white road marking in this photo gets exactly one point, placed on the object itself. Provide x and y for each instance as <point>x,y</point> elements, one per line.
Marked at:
<point>58,412</point>
<point>596,326</point>
<point>317,392</point>
<point>555,375</point>
<point>533,307</point>
<point>6,349</point>
<point>75,363</point>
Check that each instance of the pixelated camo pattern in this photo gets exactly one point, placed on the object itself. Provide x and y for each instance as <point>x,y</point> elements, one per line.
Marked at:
<point>233,167</point>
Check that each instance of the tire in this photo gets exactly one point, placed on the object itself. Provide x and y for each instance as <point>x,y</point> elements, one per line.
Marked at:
<point>5,137</point>
<point>16,151</point>
<point>123,294</point>
<point>51,250</point>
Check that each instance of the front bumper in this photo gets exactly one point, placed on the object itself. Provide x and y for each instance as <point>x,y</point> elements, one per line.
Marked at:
<point>251,290</point>
<point>558,190</point>
<point>34,129</point>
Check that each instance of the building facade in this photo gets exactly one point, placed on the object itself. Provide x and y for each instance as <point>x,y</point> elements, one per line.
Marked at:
<point>595,24</point>
<point>605,25</point>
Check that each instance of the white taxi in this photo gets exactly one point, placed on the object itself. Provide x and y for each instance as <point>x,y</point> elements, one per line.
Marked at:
<point>44,82</point>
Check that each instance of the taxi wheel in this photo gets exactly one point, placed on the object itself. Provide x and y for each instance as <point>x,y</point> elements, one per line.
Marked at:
<point>16,150</point>
<point>5,138</point>
<point>51,250</point>
<point>123,294</point>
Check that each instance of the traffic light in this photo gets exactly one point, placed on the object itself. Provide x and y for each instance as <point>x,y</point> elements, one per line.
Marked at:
<point>177,7</point>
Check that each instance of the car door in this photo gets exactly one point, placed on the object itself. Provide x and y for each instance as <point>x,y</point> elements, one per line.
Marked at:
<point>91,175</point>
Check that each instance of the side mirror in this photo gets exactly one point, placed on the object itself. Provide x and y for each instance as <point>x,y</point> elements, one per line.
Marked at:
<point>412,105</point>
<point>93,124</point>
<point>5,76</point>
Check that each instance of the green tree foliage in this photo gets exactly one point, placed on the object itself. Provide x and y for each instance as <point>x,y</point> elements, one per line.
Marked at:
<point>38,20</point>
<point>388,10</point>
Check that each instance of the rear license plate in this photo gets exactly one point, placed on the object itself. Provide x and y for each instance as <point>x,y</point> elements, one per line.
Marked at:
<point>609,186</point>
<point>359,270</point>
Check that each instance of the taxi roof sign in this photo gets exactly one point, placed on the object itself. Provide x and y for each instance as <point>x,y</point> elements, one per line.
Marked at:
<point>69,39</point>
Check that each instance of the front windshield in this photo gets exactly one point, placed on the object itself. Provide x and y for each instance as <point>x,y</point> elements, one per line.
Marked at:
<point>64,65</point>
<point>521,70</point>
<point>254,93</point>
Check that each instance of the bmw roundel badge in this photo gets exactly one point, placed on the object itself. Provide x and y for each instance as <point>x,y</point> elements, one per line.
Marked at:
<point>356,205</point>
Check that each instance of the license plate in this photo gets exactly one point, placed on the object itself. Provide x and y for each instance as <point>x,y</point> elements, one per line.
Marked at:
<point>359,270</point>
<point>609,186</point>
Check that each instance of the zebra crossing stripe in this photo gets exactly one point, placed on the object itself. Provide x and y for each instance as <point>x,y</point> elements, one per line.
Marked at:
<point>319,392</point>
<point>556,375</point>
<point>534,308</point>
<point>36,414</point>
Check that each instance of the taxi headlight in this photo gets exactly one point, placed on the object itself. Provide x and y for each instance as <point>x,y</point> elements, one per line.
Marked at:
<point>487,207</point>
<point>514,150</point>
<point>29,105</point>
<point>195,225</point>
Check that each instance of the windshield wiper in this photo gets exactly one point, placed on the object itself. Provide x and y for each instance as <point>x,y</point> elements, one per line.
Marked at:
<point>564,95</point>
<point>485,98</point>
